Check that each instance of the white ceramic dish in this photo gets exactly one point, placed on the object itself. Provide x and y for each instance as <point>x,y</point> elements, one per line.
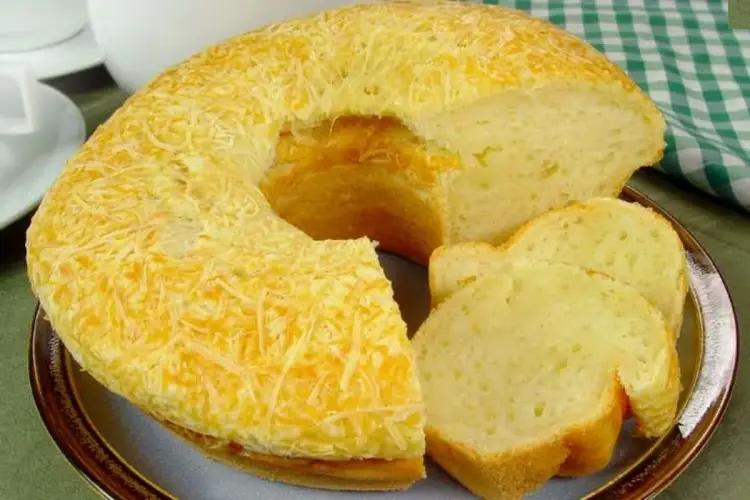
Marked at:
<point>62,131</point>
<point>77,53</point>
<point>27,25</point>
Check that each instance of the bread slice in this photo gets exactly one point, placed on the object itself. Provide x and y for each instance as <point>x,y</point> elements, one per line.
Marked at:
<point>625,240</point>
<point>527,373</point>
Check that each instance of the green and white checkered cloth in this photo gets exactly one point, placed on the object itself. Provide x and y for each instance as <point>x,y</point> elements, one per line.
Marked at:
<point>683,54</point>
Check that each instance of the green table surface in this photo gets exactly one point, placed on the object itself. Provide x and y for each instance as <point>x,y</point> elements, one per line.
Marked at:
<point>31,467</point>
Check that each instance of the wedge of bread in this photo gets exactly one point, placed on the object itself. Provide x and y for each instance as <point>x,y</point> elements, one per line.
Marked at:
<point>625,240</point>
<point>527,373</point>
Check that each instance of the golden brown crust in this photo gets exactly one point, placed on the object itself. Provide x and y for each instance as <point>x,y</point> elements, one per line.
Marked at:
<point>590,448</point>
<point>497,477</point>
<point>346,475</point>
<point>579,451</point>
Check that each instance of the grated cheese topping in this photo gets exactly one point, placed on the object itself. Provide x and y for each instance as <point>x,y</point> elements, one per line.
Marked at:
<point>171,280</point>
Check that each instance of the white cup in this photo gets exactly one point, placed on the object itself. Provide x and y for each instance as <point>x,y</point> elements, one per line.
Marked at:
<point>140,38</point>
<point>20,117</point>
<point>31,24</point>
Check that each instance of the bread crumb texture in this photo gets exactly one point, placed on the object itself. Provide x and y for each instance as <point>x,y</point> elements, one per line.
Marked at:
<point>164,268</point>
<point>527,373</point>
<point>624,240</point>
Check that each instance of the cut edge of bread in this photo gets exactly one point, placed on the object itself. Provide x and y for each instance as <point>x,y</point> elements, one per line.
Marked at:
<point>582,448</point>
<point>475,254</point>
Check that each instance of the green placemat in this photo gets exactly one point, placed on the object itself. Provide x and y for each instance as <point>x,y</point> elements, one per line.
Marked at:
<point>739,14</point>
<point>685,56</point>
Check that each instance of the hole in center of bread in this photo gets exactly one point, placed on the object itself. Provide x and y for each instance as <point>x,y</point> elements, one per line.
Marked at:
<point>364,176</point>
<point>359,176</point>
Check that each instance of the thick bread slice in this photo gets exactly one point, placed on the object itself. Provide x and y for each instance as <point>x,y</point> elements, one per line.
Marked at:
<point>526,374</point>
<point>624,240</point>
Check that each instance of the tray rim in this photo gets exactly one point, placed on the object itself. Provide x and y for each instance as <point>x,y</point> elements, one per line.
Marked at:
<point>112,477</point>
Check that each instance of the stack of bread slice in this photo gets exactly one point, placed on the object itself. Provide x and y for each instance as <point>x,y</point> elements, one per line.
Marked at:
<point>536,351</point>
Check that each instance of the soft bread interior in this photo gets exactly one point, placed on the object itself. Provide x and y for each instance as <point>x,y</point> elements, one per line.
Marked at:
<point>356,176</point>
<point>531,150</point>
<point>533,357</point>
<point>624,240</point>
